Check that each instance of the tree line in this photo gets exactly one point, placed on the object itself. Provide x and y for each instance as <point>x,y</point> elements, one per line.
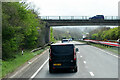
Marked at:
<point>105,33</point>
<point>67,32</point>
<point>21,29</point>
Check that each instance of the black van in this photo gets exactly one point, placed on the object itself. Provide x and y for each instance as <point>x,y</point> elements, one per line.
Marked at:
<point>65,40</point>
<point>62,56</point>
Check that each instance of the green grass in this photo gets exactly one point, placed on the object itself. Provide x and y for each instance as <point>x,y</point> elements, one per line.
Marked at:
<point>112,49</point>
<point>0,68</point>
<point>11,65</point>
<point>108,48</point>
<point>98,45</point>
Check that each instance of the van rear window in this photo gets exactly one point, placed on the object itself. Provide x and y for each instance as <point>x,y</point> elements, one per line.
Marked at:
<point>62,49</point>
<point>65,41</point>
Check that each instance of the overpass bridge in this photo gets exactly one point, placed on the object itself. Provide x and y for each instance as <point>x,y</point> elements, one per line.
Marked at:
<point>80,21</point>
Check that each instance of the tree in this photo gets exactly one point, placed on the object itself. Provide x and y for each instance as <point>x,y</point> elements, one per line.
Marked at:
<point>19,28</point>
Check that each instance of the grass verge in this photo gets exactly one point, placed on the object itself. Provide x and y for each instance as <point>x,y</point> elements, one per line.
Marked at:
<point>10,65</point>
<point>0,68</point>
<point>108,48</point>
<point>112,49</point>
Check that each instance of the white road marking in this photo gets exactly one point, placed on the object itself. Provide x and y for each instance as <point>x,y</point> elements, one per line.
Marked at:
<point>27,65</point>
<point>39,69</point>
<point>106,52</point>
<point>78,52</point>
<point>84,62</point>
<point>91,73</point>
<point>19,71</point>
<point>80,56</point>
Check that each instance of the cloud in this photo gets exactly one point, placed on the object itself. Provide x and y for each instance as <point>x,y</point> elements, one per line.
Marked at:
<point>77,7</point>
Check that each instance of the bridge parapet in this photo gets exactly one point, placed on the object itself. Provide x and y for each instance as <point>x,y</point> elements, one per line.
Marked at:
<point>76,17</point>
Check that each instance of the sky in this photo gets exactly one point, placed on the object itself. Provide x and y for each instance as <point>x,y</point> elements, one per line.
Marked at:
<point>76,7</point>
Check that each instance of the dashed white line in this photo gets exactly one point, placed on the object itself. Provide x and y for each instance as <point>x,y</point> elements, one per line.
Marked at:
<point>91,73</point>
<point>84,62</point>
<point>39,69</point>
<point>78,52</point>
<point>80,56</point>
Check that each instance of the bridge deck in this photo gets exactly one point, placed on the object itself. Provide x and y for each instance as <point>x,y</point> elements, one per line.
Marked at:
<point>76,17</point>
<point>80,20</point>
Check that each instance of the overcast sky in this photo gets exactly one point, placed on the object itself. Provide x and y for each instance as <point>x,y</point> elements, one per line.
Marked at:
<point>76,7</point>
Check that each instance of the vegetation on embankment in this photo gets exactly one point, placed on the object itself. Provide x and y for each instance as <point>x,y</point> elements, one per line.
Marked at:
<point>11,65</point>
<point>67,32</point>
<point>104,33</point>
<point>21,30</point>
<point>52,35</point>
<point>0,68</point>
<point>112,49</point>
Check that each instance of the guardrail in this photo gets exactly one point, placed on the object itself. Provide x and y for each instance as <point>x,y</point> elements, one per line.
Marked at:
<point>112,44</point>
<point>76,17</point>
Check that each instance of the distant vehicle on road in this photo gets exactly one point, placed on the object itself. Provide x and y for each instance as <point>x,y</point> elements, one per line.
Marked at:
<point>101,17</point>
<point>70,39</point>
<point>65,40</point>
<point>62,56</point>
<point>118,41</point>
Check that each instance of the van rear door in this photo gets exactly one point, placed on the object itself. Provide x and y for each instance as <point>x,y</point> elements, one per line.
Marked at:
<point>62,53</point>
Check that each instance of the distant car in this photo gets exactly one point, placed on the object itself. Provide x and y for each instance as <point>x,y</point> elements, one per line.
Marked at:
<point>65,40</point>
<point>62,56</point>
<point>118,41</point>
<point>70,39</point>
<point>101,17</point>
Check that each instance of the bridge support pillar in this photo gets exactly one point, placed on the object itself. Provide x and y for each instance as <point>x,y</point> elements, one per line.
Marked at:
<point>47,36</point>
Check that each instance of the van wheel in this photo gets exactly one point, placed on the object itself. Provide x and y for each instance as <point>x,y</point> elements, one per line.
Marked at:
<point>75,69</point>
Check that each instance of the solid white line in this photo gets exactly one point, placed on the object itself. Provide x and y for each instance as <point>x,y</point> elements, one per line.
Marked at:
<point>19,71</point>
<point>27,65</point>
<point>39,69</point>
<point>84,62</point>
<point>91,73</point>
<point>106,52</point>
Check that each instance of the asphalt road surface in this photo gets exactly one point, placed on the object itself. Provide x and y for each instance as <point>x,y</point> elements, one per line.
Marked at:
<point>92,63</point>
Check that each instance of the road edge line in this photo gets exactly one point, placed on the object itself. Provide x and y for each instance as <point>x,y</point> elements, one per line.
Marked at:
<point>25,65</point>
<point>106,52</point>
<point>39,69</point>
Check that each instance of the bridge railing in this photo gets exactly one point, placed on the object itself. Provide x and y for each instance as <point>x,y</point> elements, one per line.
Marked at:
<point>76,17</point>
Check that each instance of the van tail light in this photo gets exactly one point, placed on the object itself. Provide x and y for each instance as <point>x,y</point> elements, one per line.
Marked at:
<point>50,56</point>
<point>74,54</point>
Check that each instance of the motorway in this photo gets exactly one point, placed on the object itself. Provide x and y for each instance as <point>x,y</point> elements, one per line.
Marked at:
<point>92,63</point>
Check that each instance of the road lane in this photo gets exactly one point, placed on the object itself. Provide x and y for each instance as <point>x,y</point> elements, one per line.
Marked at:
<point>92,63</point>
<point>82,72</point>
<point>103,65</point>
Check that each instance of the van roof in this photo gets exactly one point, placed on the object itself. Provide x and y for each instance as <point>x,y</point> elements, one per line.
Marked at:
<point>65,39</point>
<point>63,44</point>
